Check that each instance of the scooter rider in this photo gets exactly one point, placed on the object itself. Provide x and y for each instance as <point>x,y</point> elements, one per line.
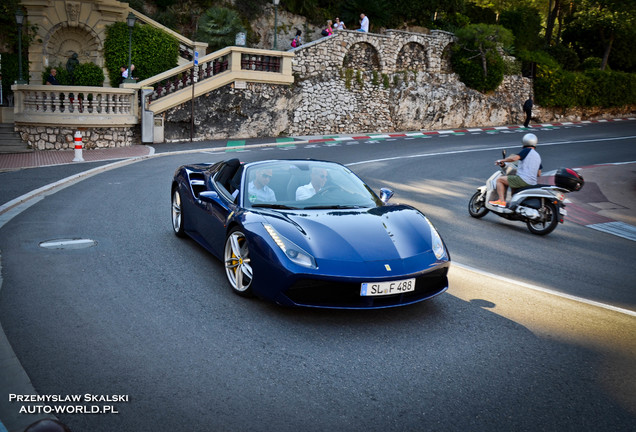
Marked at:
<point>528,170</point>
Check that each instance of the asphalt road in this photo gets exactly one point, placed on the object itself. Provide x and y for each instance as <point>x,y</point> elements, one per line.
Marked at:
<point>149,316</point>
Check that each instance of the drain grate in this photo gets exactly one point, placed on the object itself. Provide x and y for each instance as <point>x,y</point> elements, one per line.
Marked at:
<point>68,244</point>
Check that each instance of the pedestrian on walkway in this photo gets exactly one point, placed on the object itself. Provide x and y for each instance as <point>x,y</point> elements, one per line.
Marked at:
<point>527,109</point>
<point>52,80</point>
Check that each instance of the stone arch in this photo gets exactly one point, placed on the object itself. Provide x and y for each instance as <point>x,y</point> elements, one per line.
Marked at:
<point>362,56</point>
<point>63,40</point>
<point>445,59</point>
<point>412,56</point>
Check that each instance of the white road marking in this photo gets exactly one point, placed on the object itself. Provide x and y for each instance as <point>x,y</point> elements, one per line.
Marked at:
<point>620,229</point>
<point>546,290</point>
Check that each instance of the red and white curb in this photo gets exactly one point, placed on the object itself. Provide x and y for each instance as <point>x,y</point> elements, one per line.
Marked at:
<point>457,131</point>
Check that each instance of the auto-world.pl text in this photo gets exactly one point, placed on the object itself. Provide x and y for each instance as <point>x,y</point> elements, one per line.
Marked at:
<point>68,404</point>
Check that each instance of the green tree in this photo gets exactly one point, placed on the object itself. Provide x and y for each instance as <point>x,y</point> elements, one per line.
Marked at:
<point>604,21</point>
<point>525,24</point>
<point>218,27</point>
<point>481,40</point>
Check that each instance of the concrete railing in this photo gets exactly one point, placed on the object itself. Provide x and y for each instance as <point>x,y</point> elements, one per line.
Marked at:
<point>237,65</point>
<point>75,106</point>
<point>102,106</point>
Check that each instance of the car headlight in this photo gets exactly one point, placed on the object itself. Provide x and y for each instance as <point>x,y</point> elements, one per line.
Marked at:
<point>294,252</point>
<point>436,242</point>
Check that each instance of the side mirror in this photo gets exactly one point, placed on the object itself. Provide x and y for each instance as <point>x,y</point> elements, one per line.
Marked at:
<point>209,196</point>
<point>503,153</point>
<point>385,195</point>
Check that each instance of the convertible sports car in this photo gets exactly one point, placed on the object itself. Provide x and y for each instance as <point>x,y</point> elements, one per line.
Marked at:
<point>309,233</point>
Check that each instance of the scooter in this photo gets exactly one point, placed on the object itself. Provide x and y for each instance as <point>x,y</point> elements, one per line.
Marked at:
<point>541,206</point>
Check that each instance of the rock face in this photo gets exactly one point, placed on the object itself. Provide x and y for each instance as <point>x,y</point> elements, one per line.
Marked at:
<point>355,82</point>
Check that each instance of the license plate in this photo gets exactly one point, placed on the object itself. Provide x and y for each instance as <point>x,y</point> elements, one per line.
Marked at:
<point>387,288</point>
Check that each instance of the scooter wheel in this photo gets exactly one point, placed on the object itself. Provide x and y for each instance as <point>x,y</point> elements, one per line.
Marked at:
<point>548,222</point>
<point>477,206</point>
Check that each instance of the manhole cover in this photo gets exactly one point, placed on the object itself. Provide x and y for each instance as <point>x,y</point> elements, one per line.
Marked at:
<point>68,244</point>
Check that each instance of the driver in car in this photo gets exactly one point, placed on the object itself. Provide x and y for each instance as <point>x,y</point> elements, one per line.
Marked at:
<point>317,182</point>
<point>258,189</point>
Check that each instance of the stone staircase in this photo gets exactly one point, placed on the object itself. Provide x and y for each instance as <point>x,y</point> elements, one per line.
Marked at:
<point>10,141</point>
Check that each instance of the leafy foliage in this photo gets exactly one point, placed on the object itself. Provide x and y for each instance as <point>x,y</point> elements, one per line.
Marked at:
<point>598,23</point>
<point>86,74</point>
<point>566,56</point>
<point>10,71</point>
<point>475,57</point>
<point>591,63</point>
<point>62,76</point>
<point>556,87</point>
<point>153,51</point>
<point>471,71</point>
<point>525,24</point>
<point>218,27</point>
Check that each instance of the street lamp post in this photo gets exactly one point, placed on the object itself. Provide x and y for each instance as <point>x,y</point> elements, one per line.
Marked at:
<point>130,20</point>
<point>275,21</point>
<point>19,19</point>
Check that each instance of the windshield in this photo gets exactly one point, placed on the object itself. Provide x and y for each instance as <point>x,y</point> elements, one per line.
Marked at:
<point>305,185</point>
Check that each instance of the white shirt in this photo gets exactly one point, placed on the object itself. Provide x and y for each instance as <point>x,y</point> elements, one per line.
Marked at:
<point>529,165</point>
<point>305,192</point>
<point>364,25</point>
<point>266,194</point>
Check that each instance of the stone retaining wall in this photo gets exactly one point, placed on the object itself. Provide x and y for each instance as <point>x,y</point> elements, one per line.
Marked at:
<point>63,138</point>
<point>355,82</point>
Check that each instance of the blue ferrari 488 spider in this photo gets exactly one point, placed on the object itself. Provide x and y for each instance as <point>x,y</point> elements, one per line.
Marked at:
<point>309,233</point>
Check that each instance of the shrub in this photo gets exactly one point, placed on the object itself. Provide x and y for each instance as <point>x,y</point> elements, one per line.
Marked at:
<point>475,57</point>
<point>560,88</point>
<point>89,74</point>
<point>566,57</point>
<point>592,63</point>
<point>153,51</point>
<point>471,72</point>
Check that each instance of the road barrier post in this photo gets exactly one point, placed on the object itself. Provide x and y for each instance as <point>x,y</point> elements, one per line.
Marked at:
<point>78,147</point>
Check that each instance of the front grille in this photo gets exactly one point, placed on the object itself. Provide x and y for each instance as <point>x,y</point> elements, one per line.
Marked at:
<point>313,292</point>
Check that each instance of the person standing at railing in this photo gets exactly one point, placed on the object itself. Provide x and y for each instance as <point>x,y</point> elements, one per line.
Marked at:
<point>339,25</point>
<point>51,80</point>
<point>124,72</point>
<point>364,23</point>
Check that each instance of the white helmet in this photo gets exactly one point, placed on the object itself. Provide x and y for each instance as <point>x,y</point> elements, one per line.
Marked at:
<point>529,140</point>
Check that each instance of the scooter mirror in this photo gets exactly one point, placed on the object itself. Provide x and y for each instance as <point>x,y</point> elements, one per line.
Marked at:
<point>503,153</point>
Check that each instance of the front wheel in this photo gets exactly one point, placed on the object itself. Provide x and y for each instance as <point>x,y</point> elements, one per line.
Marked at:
<point>477,205</point>
<point>547,222</point>
<point>238,267</point>
<point>177,213</point>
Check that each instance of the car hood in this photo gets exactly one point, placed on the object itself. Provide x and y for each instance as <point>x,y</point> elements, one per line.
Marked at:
<point>391,232</point>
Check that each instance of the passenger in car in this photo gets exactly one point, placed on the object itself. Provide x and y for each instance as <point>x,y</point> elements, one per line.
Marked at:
<point>317,182</point>
<point>258,189</point>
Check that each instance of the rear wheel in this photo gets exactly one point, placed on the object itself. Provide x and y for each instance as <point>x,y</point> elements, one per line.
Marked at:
<point>238,268</point>
<point>177,213</point>
<point>547,222</point>
<point>477,205</point>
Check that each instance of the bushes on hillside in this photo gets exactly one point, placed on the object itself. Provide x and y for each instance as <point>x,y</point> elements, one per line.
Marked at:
<point>556,87</point>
